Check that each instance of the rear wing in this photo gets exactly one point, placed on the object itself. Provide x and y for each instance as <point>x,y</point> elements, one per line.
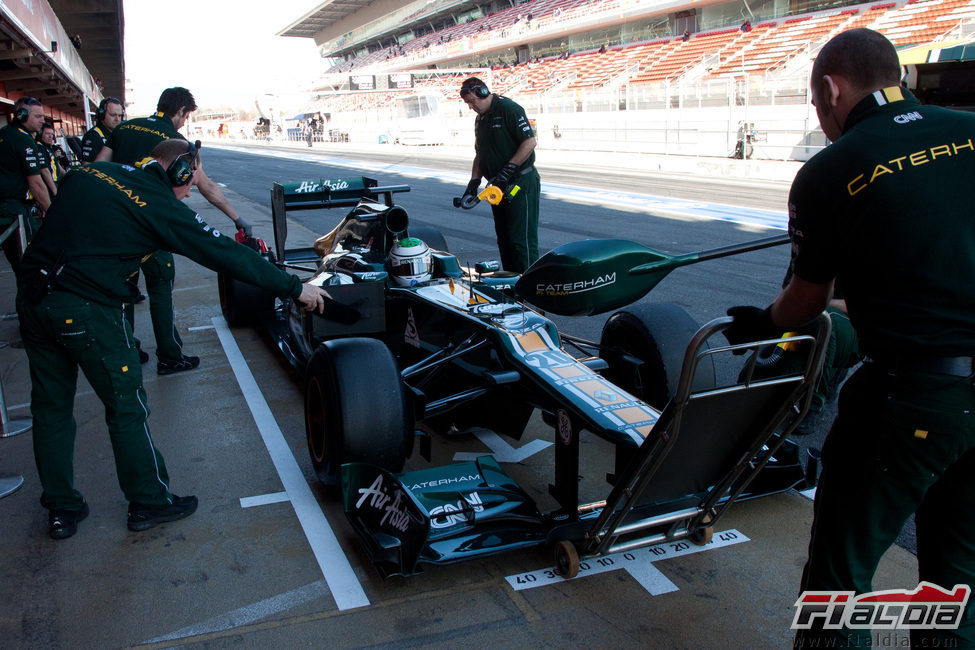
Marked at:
<point>320,194</point>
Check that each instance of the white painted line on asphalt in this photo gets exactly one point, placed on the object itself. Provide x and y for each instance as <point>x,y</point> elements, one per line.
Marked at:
<point>638,563</point>
<point>263,499</point>
<point>193,288</point>
<point>200,327</point>
<point>593,196</point>
<point>250,613</point>
<point>501,450</point>
<point>338,573</point>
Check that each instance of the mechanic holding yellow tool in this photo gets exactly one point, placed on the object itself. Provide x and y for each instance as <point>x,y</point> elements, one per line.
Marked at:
<point>886,211</point>
<point>72,285</point>
<point>128,143</point>
<point>504,148</point>
<point>107,116</point>
<point>21,183</point>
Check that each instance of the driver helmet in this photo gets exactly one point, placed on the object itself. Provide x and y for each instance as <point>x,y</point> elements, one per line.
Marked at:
<point>410,262</point>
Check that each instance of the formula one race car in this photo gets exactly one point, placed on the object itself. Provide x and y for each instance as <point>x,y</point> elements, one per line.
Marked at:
<point>411,343</point>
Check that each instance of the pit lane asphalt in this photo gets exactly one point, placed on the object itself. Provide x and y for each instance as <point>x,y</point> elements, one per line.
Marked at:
<point>247,576</point>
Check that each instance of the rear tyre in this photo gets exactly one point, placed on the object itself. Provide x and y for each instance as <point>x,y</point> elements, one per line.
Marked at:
<point>242,303</point>
<point>657,334</point>
<point>355,408</point>
<point>431,236</point>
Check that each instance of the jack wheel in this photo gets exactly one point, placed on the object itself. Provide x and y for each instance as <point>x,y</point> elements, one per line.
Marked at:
<point>566,560</point>
<point>701,536</point>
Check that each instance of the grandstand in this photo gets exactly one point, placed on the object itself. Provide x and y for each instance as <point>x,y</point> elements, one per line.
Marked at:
<point>626,75</point>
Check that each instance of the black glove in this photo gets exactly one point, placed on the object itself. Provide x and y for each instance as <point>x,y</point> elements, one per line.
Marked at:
<point>751,324</point>
<point>467,201</point>
<point>504,176</point>
<point>246,227</point>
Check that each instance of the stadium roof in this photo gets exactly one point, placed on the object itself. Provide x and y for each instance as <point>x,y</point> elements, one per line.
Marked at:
<point>323,16</point>
<point>100,26</point>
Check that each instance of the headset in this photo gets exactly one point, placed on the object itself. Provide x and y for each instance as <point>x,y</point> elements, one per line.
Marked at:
<point>180,171</point>
<point>21,114</point>
<point>103,108</point>
<point>479,90</point>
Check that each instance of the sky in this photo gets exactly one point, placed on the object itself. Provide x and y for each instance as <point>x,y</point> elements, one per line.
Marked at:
<point>224,51</point>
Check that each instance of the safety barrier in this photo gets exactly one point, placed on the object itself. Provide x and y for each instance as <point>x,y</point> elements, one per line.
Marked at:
<point>10,483</point>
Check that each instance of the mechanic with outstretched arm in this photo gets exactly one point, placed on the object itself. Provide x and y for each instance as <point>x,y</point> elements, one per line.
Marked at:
<point>74,280</point>
<point>885,210</point>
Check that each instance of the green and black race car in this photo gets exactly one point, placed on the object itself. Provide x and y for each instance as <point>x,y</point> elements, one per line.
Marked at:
<point>413,345</point>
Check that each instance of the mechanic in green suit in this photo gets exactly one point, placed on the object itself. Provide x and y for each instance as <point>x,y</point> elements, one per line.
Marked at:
<point>886,211</point>
<point>504,148</point>
<point>22,185</point>
<point>107,117</point>
<point>128,143</point>
<point>73,282</point>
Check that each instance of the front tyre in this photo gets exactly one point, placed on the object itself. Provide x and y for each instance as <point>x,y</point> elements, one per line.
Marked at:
<point>355,408</point>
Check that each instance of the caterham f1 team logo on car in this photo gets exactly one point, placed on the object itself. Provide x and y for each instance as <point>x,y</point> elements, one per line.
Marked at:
<point>565,288</point>
<point>928,607</point>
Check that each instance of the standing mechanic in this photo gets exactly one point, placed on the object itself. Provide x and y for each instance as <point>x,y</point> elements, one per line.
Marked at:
<point>129,143</point>
<point>885,210</point>
<point>73,282</point>
<point>505,154</point>
<point>55,158</point>
<point>22,185</point>
<point>107,117</point>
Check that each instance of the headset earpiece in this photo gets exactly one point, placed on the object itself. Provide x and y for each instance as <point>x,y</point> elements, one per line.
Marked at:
<point>479,90</point>
<point>102,109</point>
<point>22,113</point>
<point>180,171</point>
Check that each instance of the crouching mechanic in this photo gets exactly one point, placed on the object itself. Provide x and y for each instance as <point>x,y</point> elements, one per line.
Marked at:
<point>74,280</point>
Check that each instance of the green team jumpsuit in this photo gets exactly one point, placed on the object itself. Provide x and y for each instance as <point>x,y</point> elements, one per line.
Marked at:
<point>130,142</point>
<point>498,132</point>
<point>18,160</point>
<point>104,221</point>
<point>886,210</point>
<point>93,141</point>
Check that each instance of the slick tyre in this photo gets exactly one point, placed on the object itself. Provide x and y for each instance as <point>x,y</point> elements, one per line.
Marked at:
<point>242,303</point>
<point>431,236</point>
<point>657,334</point>
<point>355,408</point>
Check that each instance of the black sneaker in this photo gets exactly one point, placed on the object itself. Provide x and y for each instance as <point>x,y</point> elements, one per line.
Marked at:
<point>143,356</point>
<point>184,363</point>
<point>62,524</point>
<point>144,517</point>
